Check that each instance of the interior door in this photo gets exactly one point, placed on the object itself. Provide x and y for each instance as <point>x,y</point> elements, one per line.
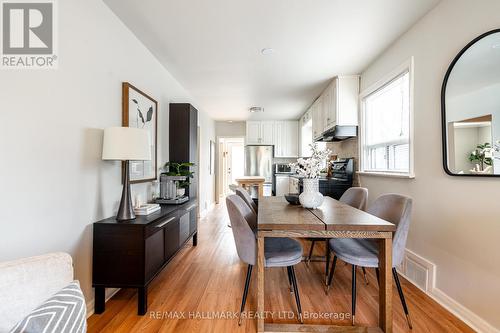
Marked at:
<point>234,155</point>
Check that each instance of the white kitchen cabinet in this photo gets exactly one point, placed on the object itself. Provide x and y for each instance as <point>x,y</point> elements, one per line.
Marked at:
<point>293,185</point>
<point>317,116</point>
<point>282,185</point>
<point>329,106</point>
<point>286,143</point>
<point>253,132</point>
<point>260,132</point>
<point>337,105</point>
<point>267,132</point>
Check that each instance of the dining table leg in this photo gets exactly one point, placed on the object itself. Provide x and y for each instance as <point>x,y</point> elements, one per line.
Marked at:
<point>261,190</point>
<point>260,284</point>
<point>385,285</point>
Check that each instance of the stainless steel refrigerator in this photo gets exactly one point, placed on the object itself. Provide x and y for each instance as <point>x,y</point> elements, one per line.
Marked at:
<point>259,162</point>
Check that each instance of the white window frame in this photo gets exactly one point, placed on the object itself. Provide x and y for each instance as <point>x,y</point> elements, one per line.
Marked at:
<point>407,66</point>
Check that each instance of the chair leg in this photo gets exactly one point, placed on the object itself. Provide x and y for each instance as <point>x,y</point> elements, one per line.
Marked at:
<point>327,261</point>
<point>402,297</point>
<point>245,292</point>
<point>364,275</point>
<point>353,311</point>
<point>330,278</point>
<point>290,282</point>
<point>378,275</point>
<point>310,252</point>
<point>296,291</point>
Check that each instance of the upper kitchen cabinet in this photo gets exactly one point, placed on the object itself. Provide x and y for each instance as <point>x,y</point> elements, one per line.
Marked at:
<point>267,132</point>
<point>286,142</point>
<point>336,106</point>
<point>317,116</point>
<point>260,133</point>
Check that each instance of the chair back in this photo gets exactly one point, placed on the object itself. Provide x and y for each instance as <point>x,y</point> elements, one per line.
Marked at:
<point>242,193</point>
<point>244,236</point>
<point>355,197</point>
<point>395,208</point>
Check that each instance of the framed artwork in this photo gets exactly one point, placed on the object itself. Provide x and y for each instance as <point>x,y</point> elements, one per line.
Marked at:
<point>212,157</point>
<point>141,111</point>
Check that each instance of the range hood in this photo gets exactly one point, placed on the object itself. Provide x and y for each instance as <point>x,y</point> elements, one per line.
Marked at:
<point>339,133</point>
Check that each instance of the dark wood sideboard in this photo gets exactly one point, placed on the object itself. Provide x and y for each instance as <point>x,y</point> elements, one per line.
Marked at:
<point>130,254</point>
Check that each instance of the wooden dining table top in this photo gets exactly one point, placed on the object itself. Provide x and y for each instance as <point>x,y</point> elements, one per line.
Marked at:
<point>275,213</point>
<point>251,179</point>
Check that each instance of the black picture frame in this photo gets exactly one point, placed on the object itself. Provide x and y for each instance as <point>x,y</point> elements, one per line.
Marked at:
<point>443,107</point>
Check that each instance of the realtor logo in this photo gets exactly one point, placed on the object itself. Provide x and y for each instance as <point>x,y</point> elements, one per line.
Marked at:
<point>28,34</point>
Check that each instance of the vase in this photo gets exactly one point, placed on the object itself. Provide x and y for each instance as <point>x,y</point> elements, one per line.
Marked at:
<point>310,197</point>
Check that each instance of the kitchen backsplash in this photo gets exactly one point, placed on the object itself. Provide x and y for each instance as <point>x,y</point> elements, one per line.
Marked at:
<point>347,148</point>
<point>281,160</point>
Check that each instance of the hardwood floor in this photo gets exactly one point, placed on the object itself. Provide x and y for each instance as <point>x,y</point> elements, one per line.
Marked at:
<point>207,280</point>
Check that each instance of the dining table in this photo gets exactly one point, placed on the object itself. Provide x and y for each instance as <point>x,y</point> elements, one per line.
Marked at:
<point>333,219</point>
<point>248,181</point>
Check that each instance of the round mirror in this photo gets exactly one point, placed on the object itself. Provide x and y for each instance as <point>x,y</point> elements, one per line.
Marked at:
<point>470,102</point>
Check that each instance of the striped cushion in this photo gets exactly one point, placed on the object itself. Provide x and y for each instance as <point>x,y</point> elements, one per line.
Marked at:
<point>65,312</point>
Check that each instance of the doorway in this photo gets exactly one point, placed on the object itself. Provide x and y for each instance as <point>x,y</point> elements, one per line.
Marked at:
<point>231,159</point>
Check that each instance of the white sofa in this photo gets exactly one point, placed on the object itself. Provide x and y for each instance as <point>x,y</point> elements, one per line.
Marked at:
<point>27,283</point>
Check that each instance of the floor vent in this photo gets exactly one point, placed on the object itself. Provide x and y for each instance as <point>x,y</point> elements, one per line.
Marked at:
<point>418,270</point>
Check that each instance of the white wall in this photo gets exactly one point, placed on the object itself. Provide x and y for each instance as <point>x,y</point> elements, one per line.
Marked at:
<point>456,221</point>
<point>466,140</point>
<point>207,180</point>
<point>234,129</point>
<point>53,182</point>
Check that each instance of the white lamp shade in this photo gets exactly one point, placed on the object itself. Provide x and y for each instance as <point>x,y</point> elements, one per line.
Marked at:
<point>126,144</point>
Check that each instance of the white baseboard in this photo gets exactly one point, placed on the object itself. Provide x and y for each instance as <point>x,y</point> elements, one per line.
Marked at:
<point>90,304</point>
<point>204,212</point>
<point>467,316</point>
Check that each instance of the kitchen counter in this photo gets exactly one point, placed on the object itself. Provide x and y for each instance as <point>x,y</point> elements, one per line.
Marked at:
<point>320,178</point>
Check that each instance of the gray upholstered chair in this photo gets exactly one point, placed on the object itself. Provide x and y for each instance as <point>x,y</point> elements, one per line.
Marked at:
<point>242,193</point>
<point>279,252</point>
<point>394,208</point>
<point>355,197</point>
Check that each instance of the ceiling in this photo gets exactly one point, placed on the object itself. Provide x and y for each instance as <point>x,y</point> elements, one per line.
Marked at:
<point>213,47</point>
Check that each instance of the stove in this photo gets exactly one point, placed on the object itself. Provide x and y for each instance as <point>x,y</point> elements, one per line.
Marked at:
<point>339,182</point>
<point>343,170</point>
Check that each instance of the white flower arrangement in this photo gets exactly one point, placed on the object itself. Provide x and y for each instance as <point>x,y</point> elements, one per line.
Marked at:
<point>311,167</point>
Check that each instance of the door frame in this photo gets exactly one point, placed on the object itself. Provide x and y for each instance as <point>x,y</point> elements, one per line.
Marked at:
<point>219,176</point>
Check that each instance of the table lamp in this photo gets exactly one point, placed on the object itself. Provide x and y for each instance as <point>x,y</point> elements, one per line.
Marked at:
<point>126,144</point>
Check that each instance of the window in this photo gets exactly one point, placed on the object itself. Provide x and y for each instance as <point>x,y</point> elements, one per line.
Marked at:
<point>386,134</point>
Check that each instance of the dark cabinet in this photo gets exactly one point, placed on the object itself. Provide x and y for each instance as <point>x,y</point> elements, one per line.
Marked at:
<point>130,254</point>
<point>154,253</point>
<point>183,136</point>
<point>171,239</point>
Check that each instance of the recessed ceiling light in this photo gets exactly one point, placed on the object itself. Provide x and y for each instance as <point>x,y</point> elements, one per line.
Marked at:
<point>229,121</point>
<point>267,51</point>
<point>254,109</point>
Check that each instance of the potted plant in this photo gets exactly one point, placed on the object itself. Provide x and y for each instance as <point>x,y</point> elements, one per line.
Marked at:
<point>482,155</point>
<point>310,168</point>
<point>180,170</point>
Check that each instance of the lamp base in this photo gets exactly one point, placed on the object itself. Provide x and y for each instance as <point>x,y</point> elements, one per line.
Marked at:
<point>126,211</point>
